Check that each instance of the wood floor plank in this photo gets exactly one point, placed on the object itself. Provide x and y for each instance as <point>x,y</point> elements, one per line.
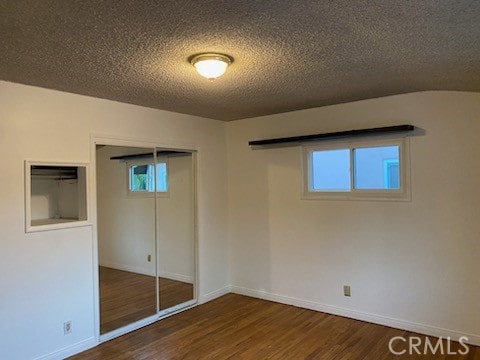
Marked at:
<point>240,327</point>
<point>126,297</point>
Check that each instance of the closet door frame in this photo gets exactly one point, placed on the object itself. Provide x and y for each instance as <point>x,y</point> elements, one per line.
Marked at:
<point>100,139</point>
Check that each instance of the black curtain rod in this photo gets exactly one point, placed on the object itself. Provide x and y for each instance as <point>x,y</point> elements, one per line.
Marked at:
<point>338,134</point>
<point>159,153</point>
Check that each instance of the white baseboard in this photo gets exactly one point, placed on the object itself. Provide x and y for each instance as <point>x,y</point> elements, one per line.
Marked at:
<point>70,350</point>
<point>129,268</point>
<point>177,277</point>
<point>149,272</point>
<point>214,294</point>
<point>424,329</point>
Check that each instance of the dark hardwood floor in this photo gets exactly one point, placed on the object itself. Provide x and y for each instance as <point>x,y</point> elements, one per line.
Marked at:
<point>126,297</point>
<point>240,327</point>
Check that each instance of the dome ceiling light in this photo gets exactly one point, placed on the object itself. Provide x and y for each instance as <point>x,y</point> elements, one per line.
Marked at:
<point>211,65</point>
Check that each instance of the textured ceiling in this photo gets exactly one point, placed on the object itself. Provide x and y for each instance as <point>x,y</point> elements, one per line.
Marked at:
<point>289,55</point>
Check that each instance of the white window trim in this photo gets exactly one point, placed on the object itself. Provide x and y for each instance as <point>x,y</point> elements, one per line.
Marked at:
<point>402,194</point>
<point>146,194</point>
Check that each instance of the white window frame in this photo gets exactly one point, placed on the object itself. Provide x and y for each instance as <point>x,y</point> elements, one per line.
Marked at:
<point>402,194</point>
<point>146,161</point>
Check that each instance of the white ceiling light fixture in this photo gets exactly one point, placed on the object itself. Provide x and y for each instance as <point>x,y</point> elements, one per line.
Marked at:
<point>211,65</point>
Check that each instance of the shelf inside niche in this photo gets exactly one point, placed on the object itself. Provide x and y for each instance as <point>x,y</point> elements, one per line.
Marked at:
<point>40,222</point>
<point>56,195</point>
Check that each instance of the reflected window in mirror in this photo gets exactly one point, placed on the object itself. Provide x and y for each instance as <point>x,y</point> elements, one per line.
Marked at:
<point>141,178</point>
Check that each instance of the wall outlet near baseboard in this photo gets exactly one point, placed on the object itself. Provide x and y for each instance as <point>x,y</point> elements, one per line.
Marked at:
<point>149,258</point>
<point>346,290</point>
<point>67,327</point>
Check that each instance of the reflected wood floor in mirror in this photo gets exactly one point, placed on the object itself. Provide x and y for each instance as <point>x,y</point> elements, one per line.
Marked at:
<point>126,297</point>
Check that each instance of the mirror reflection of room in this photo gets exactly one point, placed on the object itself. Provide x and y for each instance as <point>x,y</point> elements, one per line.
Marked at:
<point>129,233</point>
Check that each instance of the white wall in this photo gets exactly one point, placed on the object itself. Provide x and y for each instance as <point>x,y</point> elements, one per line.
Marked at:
<point>68,199</point>
<point>58,198</point>
<point>411,261</point>
<point>126,224</point>
<point>44,199</point>
<point>46,277</point>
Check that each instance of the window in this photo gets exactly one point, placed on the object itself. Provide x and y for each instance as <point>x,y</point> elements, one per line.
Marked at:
<point>363,170</point>
<point>141,178</point>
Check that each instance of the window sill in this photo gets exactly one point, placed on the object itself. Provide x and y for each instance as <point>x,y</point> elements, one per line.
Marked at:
<point>140,195</point>
<point>356,196</point>
<point>55,224</point>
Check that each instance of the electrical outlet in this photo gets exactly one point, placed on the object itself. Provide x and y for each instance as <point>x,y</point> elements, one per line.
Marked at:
<point>149,258</point>
<point>67,327</point>
<point>346,290</point>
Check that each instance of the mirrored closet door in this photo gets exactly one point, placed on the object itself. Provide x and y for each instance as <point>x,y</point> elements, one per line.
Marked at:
<point>175,230</point>
<point>146,237</point>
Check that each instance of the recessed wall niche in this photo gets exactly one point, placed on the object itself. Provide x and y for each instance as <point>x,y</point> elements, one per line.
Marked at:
<point>56,195</point>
